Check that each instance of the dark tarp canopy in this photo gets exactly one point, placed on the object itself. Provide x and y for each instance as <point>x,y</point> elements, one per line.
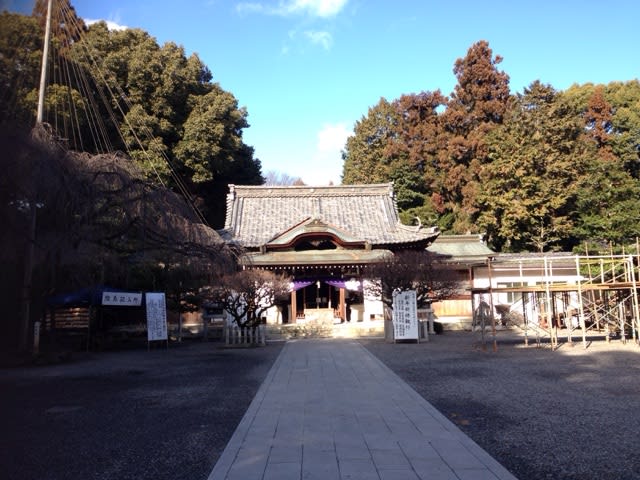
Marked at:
<point>84,297</point>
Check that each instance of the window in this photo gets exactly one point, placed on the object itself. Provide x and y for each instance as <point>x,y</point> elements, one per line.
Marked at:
<point>511,297</point>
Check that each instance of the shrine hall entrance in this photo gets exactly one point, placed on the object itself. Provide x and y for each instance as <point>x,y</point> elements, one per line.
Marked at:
<point>332,296</point>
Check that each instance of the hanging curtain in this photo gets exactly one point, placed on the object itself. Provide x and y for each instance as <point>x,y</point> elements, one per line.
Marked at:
<point>298,284</point>
<point>334,282</point>
<point>342,283</point>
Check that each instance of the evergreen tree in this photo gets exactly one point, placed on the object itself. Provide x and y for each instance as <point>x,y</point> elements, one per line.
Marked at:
<point>598,121</point>
<point>365,157</point>
<point>119,90</point>
<point>398,142</point>
<point>531,184</point>
<point>624,128</point>
<point>177,122</point>
<point>212,151</point>
<point>20,57</point>
<point>625,122</point>
<point>414,150</point>
<point>477,105</point>
<point>609,197</point>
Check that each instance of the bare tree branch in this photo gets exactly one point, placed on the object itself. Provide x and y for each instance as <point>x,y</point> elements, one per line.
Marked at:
<point>422,271</point>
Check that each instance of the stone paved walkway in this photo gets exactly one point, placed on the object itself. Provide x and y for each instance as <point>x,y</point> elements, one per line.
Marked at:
<point>330,410</point>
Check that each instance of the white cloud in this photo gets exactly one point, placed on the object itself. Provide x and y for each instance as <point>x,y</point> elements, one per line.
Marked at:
<point>111,25</point>
<point>332,138</point>
<point>325,165</point>
<point>320,8</point>
<point>315,8</point>
<point>293,44</point>
<point>320,38</point>
<point>251,8</point>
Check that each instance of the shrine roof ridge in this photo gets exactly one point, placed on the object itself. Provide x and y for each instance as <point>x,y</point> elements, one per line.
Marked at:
<point>311,191</point>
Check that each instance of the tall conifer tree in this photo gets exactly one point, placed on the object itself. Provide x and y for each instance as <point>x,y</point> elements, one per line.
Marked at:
<point>477,105</point>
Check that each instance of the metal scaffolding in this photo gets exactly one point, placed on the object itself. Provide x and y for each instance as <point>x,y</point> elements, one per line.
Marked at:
<point>599,296</point>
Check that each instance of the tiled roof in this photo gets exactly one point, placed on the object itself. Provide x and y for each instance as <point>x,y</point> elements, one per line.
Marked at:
<point>536,258</point>
<point>258,214</point>
<point>461,247</point>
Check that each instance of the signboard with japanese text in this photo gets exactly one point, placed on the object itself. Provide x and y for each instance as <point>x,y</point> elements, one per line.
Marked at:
<point>122,299</point>
<point>405,315</point>
<point>156,316</point>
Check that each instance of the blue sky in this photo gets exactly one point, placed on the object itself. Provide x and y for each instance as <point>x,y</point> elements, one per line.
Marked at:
<point>307,70</point>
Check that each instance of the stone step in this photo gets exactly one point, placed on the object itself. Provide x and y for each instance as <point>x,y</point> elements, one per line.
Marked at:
<point>325,330</point>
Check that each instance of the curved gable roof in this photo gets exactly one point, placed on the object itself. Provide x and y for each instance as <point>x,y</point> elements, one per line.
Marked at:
<point>258,215</point>
<point>312,227</point>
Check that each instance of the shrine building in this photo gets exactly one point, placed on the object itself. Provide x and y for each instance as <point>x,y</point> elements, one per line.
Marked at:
<point>321,237</point>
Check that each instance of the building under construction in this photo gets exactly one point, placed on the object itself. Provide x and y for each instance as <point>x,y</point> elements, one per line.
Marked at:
<point>558,295</point>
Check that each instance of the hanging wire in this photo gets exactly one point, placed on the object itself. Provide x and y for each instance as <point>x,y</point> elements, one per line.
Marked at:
<point>111,93</point>
<point>78,78</point>
<point>75,121</point>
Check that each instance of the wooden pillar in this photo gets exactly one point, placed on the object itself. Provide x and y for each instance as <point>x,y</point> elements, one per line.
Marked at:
<point>294,307</point>
<point>343,304</point>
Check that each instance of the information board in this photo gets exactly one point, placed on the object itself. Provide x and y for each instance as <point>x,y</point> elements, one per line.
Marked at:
<point>405,316</point>
<point>156,316</point>
<point>124,299</point>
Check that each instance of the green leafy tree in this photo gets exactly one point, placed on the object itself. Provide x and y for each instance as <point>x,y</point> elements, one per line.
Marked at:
<point>609,197</point>
<point>120,90</point>
<point>209,151</point>
<point>531,184</point>
<point>184,129</point>
<point>66,26</point>
<point>20,58</point>
<point>625,122</point>
<point>624,128</point>
<point>365,157</point>
<point>21,41</point>
<point>608,205</point>
<point>213,153</point>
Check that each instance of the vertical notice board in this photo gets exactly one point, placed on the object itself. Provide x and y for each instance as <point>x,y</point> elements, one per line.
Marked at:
<point>156,316</point>
<point>405,315</point>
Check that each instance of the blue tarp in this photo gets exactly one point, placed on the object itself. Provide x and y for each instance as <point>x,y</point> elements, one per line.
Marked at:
<point>82,298</point>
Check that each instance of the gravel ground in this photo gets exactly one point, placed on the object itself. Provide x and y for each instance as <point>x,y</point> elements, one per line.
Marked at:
<point>572,413</point>
<point>136,414</point>
<point>168,414</point>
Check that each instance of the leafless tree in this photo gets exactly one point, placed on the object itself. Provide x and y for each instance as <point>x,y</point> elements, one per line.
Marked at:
<point>422,271</point>
<point>273,177</point>
<point>246,295</point>
<point>73,220</point>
